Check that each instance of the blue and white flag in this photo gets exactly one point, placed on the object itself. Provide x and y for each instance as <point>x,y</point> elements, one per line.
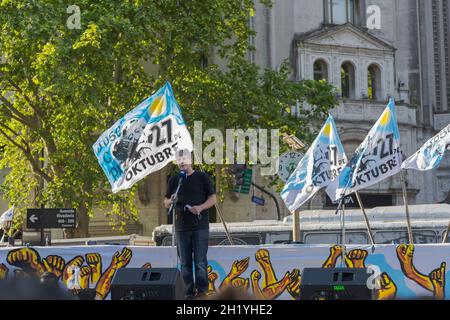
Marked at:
<point>7,216</point>
<point>143,141</point>
<point>430,155</point>
<point>377,157</point>
<point>320,165</point>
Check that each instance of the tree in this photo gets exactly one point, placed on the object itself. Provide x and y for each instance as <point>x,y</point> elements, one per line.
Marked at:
<point>61,87</point>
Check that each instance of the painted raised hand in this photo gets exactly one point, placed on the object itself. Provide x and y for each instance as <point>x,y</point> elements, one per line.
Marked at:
<point>94,261</point>
<point>437,277</point>
<point>3,271</point>
<point>388,289</point>
<point>69,274</point>
<point>26,259</point>
<point>119,260</point>
<point>405,254</point>
<point>294,286</point>
<point>238,267</point>
<point>240,283</point>
<point>262,256</point>
<point>356,258</point>
<point>83,277</point>
<point>254,279</point>
<point>212,277</point>
<point>335,253</point>
<point>54,264</point>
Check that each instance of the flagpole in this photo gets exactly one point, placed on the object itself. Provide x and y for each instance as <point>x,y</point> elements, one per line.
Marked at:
<point>369,230</point>
<point>219,212</point>
<point>343,234</point>
<point>296,226</point>
<point>444,237</point>
<point>405,201</point>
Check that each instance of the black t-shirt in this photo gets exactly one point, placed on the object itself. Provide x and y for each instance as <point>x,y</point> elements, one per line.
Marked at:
<point>194,191</point>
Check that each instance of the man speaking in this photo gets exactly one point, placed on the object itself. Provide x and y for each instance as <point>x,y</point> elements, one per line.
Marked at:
<point>195,196</point>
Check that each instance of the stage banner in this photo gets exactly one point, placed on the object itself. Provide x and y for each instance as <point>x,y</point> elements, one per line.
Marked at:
<point>429,156</point>
<point>143,141</point>
<point>377,157</point>
<point>321,164</point>
<point>266,272</point>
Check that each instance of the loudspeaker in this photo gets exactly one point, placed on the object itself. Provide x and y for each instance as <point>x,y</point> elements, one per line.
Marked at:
<point>335,284</point>
<point>147,284</point>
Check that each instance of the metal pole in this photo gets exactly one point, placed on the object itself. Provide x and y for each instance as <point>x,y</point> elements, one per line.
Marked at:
<point>369,230</point>
<point>296,226</point>
<point>219,212</point>
<point>172,211</point>
<point>405,201</point>
<point>343,234</point>
<point>444,237</point>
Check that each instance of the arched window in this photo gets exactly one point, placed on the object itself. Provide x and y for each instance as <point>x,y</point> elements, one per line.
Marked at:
<point>320,70</point>
<point>373,82</point>
<point>350,147</point>
<point>347,80</point>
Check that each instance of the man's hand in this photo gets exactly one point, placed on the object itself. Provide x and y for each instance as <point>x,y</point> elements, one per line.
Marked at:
<point>196,209</point>
<point>168,201</point>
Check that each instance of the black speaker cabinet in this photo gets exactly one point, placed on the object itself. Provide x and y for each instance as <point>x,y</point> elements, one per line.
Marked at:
<point>335,284</point>
<point>147,284</point>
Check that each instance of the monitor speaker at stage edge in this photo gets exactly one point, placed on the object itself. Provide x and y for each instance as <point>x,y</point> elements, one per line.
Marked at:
<point>336,284</point>
<point>147,284</point>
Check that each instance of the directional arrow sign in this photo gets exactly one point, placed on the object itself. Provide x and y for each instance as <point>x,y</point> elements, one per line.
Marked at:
<point>51,218</point>
<point>34,218</point>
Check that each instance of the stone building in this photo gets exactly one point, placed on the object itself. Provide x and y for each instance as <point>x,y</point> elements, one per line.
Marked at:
<point>370,50</point>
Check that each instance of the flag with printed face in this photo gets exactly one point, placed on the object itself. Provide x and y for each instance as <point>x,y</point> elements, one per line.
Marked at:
<point>320,165</point>
<point>143,141</point>
<point>377,157</point>
<point>429,156</point>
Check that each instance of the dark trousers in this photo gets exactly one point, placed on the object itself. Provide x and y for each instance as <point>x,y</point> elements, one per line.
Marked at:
<point>193,244</point>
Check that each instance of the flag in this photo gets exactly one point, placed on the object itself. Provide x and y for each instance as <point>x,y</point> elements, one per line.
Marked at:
<point>321,164</point>
<point>143,141</point>
<point>7,216</point>
<point>429,156</point>
<point>377,157</point>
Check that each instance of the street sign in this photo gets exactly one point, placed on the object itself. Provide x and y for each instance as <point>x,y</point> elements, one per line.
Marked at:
<point>54,218</point>
<point>258,200</point>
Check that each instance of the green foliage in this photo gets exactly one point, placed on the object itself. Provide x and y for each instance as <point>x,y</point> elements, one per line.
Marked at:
<point>60,88</point>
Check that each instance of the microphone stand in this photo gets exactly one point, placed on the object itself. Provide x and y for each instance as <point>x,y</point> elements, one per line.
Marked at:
<point>173,211</point>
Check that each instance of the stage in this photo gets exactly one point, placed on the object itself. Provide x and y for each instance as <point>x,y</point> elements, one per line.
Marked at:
<point>265,271</point>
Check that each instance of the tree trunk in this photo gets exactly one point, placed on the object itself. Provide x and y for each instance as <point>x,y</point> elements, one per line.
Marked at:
<point>82,229</point>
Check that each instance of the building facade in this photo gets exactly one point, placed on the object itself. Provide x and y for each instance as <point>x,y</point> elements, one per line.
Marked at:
<point>370,50</point>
